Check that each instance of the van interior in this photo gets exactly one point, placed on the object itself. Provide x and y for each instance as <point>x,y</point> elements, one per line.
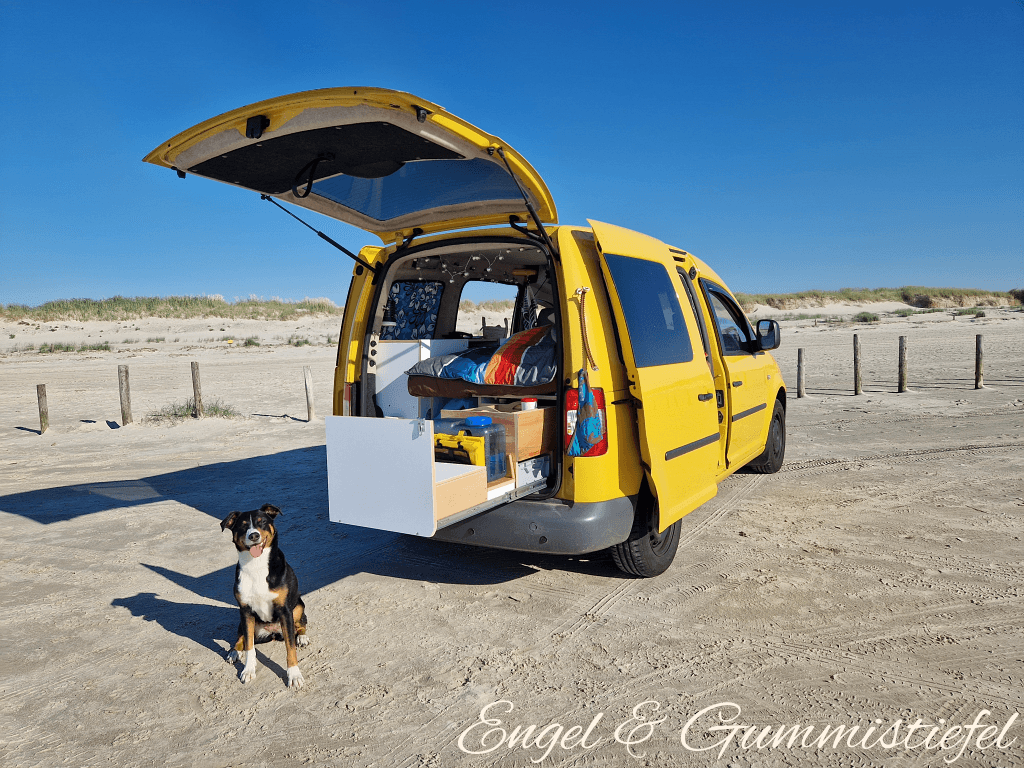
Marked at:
<point>414,326</point>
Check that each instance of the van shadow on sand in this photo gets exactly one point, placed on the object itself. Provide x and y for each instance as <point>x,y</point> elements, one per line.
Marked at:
<point>377,552</point>
<point>215,489</point>
<point>321,552</point>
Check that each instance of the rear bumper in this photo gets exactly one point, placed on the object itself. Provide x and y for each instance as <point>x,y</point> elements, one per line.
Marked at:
<point>552,526</point>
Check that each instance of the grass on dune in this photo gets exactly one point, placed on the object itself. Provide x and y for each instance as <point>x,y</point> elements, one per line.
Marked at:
<point>121,308</point>
<point>492,305</point>
<point>45,349</point>
<point>917,296</point>
<point>176,411</point>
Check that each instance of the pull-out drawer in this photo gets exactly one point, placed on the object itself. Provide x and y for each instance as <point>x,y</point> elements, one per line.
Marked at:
<point>381,474</point>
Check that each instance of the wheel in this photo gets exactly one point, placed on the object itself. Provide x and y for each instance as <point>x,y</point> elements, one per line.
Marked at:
<point>770,461</point>
<point>646,552</point>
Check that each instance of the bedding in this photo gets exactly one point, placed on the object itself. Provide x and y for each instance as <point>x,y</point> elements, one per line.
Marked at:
<point>526,359</point>
<point>428,386</point>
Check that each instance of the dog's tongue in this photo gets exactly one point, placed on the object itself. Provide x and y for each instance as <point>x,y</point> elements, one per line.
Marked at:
<point>256,551</point>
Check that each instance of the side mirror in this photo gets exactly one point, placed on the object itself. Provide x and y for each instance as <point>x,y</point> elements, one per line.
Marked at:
<point>769,335</point>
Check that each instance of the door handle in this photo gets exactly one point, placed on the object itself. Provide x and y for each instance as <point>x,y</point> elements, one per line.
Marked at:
<point>704,397</point>
<point>737,383</point>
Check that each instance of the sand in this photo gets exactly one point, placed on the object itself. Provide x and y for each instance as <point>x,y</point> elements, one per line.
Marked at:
<point>877,577</point>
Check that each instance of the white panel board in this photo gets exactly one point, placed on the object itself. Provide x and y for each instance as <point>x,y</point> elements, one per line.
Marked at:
<point>380,473</point>
<point>393,359</point>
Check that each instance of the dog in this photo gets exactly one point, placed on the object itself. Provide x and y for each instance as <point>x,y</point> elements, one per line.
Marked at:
<point>267,592</point>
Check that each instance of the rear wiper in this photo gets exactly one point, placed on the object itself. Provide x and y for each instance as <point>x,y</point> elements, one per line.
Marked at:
<point>337,245</point>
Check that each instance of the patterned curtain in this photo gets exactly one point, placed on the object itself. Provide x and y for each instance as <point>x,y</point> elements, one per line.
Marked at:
<point>415,306</point>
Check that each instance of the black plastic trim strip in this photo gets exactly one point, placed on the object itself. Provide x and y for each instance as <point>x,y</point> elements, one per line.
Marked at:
<point>675,453</point>
<point>749,412</point>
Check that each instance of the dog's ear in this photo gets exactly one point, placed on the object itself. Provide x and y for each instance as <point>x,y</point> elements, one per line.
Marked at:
<point>270,511</point>
<point>229,521</point>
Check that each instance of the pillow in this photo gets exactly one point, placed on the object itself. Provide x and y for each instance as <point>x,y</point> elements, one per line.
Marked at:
<point>526,359</point>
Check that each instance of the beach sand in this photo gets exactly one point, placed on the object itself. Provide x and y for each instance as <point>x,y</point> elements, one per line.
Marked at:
<point>876,577</point>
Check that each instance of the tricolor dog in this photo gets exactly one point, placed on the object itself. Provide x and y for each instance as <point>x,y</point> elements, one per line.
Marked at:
<point>267,592</point>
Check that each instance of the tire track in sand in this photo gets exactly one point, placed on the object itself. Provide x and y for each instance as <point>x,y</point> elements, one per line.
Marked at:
<point>825,466</point>
<point>578,621</point>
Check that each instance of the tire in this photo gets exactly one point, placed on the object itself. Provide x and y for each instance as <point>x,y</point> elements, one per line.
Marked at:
<point>770,462</point>
<point>647,553</point>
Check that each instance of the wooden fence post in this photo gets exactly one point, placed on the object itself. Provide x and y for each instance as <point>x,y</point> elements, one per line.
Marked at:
<point>310,411</point>
<point>125,393</point>
<point>197,391</point>
<point>979,369</point>
<point>857,389</point>
<point>44,411</point>
<point>902,387</point>
<point>800,373</point>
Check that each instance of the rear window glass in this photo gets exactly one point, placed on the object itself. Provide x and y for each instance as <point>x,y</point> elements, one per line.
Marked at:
<point>420,186</point>
<point>414,306</point>
<point>654,319</point>
<point>486,309</point>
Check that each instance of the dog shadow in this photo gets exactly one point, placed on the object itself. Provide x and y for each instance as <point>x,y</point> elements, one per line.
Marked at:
<point>201,623</point>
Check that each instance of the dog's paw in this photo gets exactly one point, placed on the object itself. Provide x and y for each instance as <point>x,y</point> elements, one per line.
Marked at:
<point>302,641</point>
<point>249,670</point>
<point>232,656</point>
<point>295,678</point>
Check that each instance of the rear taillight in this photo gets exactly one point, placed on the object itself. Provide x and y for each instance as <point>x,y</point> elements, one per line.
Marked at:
<point>346,400</point>
<point>593,441</point>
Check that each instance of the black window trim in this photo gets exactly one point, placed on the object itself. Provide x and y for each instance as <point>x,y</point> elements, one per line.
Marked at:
<point>691,294</point>
<point>710,287</point>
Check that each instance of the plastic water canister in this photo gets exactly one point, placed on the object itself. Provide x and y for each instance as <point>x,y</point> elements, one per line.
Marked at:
<point>447,426</point>
<point>494,443</point>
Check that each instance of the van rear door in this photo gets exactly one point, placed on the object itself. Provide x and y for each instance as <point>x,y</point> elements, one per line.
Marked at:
<point>385,161</point>
<point>669,378</point>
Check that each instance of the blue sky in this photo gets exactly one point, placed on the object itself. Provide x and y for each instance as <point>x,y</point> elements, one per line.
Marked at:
<point>791,145</point>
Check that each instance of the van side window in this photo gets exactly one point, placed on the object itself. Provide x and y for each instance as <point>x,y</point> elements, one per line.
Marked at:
<point>654,320</point>
<point>733,331</point>
<point>415,306</point>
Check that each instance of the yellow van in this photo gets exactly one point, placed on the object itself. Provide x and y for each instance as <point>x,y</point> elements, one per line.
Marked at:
<point>627,384</point>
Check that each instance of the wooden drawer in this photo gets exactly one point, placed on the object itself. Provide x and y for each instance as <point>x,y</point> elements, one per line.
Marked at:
<point>527,433</point>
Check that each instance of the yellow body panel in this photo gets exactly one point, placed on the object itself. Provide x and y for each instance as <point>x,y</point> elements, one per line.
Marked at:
<point>674,425</point>
<point>764,388</point>
<point>353,327</point>
<point>618,472</point>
